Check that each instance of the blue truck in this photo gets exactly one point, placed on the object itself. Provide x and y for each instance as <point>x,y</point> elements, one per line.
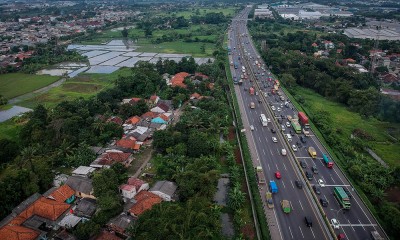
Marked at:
<point>273,187</point>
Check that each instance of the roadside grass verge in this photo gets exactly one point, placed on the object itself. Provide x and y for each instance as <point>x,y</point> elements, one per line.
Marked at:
<point>16,84</point>
<point>84,85</point>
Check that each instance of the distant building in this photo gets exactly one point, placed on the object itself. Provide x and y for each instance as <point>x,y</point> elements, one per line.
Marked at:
<point>165,189</point>
<point>370,33</point>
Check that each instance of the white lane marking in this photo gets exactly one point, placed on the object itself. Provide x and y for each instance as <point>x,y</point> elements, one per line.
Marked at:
<point>292,183</point>
<point>361,224</point>
<point>284,166</point>
<point>271,152</point>
<point>276,166</point>
<point>284,186</point>
<point>290,230</point>
<point>277,223</point>
<point>331,177</point>
<point>301,205</point>
<point>350,225</point>
<point>259,139</point>
<point>264,151</point>
<point>312,232</point>
<point>301,232</point>
<point>269,168</point>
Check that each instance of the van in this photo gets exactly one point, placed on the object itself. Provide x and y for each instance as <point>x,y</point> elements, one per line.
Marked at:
<point>289,137</point>
<point>308,221</point>
<point>252,105</point>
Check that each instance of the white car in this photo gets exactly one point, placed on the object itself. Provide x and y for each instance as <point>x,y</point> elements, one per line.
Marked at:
<point>274,139</point>
<point>321,182</point>
<point>283,128</point>
<point>273,108</point>
<point>335,223</point>
<point>294,147</point>
<point>279,109</point>
<point>287,124</point>
<point>252,127</point>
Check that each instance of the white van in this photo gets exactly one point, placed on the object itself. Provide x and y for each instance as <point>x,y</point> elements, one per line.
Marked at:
<point>289,137</point>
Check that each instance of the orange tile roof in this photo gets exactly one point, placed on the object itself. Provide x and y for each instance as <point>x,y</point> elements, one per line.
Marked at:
<point>47,208</point>
<point>178,79</point>
<point>145,201</point>
<point>18,233</point>
<point>133,120</point>
<point>195,95</point>
<point>110,157</point>
<point>149,115</point>
<point>126,143</point>
<point>165,118</point>
<point>136,182</point>
<point>107,236</point>
<point>62,193</point>
<point>136,147</point>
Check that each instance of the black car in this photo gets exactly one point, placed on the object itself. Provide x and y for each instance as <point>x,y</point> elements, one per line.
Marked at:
<point>303,164</point>
<point>308,221</point>
<point>299,184</point>
<point>273,130</point>
<point>323,202</point>
<point>303,139</point>
<point>347,192</point>
<point>314,169</point>
<point>309,175</point>
<point>291,132</point>
<point>299,144</point>
<point>317,190</point>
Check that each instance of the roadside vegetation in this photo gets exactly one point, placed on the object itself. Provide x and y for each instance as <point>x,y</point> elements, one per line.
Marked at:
<point>345,106</point>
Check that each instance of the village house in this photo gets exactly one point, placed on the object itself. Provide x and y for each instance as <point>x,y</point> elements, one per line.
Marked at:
<point>108,158</point>
<point>120,223</point>
<point>85,207</point>
<point>83,171</point>
<point>82,186</point>
<point>133,186</point>
<point>144,201</point>
<point>165,189</point>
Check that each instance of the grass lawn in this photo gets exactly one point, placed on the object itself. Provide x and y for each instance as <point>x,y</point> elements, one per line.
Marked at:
<point>16,84</point>
<point>83,85</point>
<point>9,130</point>
<point>346,121</point>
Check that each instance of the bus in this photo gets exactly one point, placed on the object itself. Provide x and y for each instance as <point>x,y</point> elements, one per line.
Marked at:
<point>327,161</point>
<point>342,197</point>
<point>296,126</point>
<point>263,120</point>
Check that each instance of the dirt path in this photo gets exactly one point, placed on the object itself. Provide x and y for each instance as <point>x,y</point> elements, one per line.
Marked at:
<point>36,92</point>
<point>147,154</point>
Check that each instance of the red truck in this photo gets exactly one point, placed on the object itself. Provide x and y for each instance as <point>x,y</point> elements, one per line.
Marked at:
<point>251,91</point>
<point>303,120</point>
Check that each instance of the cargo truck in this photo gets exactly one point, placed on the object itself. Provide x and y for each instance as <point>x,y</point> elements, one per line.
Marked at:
<point>286,206</point>
<point>312,152</point>
<point>251,91</point>
<point>273,187</point>
<point>342,197</point>
<point>328,162</point>
<point>303,120</point>
<point>268,196</point>
<point>260,175</point>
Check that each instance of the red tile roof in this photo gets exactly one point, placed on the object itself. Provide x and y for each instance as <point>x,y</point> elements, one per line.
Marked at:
<point>107,236</point>
<point>150,115</point>
<point>136,182</point>
<point>62,193</point>
<point>165,118</point>
<point>177,80</point>
<point>127,187</point>
<point>195,96</point>
<point>133,120</point>
<point>111,157</point>
<point>126,143</point>
<point>18,233</point>
<point>145,201</point>
<point>116,120</point>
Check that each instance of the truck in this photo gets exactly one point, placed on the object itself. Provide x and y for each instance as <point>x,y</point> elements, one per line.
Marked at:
<point>328,162</point>
<point>273,187</point>
<point>376,236</point>
<point>303,120</point>
<point>268,196</point>
<point>260,175</point>
<point>286,206</point>
<point>342,197</point>
<point>251,91</point>
<point>312,152</point>
<point>296,125</point>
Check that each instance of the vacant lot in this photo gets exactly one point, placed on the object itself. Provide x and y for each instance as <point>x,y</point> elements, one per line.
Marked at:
<point>384,134</point>
<point>83,85</point>
<point>16,84</point>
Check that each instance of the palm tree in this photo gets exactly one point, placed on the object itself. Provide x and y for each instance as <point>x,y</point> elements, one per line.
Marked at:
<point>236,198</point>
<point>28,154</point>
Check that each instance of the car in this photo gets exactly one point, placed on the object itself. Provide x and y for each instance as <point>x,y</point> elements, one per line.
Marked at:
<point>273,108</point>
<point>294,147</point>
<point>270,203</point>
<point>265,94</point>
<point>308,221</point>
<point>323,202</point>
<point>309,175</point>
<point>303,164</point>
<point>341,236</point>
<point>278,109</point>
<point>268,120</point>
<point>274,139</point>
<point>314,169</point>
<point>283,128</point>
<point>299,184</point>
<point>321,182</point>
<point>273,130</point>
<point>317,190</point>
<point>303,139</point>
<point>299,144</point>
<point>288,124</point>
<point>283,151</point>
<point>278,175</point>
<point>335,223</point>
<point>252,127</point>
<point>291,132</point>
<point>347,192</point>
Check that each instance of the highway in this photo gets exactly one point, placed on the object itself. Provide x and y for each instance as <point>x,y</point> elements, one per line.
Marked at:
<point>356,223</point>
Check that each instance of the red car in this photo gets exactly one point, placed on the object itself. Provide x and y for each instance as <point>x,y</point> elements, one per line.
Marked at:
<point>341,236</point>
<point>278,175</point>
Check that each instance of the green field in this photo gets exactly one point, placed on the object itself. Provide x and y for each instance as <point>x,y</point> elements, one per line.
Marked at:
<point>229,11</point>
<point>83,85</point>
<point>9,130</point>
<point>383,133</point>
<point>16,84</point>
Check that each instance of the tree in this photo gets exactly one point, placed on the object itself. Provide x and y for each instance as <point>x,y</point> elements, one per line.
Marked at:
<point>236,198</point>
<point>124,33</point>
<point>8,150</point>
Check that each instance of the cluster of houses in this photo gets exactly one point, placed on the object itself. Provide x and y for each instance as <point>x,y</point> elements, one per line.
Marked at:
<point>72,201</point>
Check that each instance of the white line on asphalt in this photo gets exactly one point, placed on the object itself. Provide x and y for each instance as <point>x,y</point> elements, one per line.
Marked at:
<point>301,205</point>
<point>361,224</point>
<point>259,139</point>
<point>312,232</point>
<point>263,151</point>
<point>271,152</point>
<point>331,177</point>
<point>284,186</point>
<point>290,230</point>
<point>301,232</point>
<point>269,168</point>
<point>350,225</point>
<point>292,184</point>
<point>276,166</point>
<point>284,166</point>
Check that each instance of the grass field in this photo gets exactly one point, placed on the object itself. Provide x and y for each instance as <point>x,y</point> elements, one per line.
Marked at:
<point>382,144</point>
<point>83,85</point>
<point>9,130</point>
<point>16,84</point>
<point>230,11</point>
